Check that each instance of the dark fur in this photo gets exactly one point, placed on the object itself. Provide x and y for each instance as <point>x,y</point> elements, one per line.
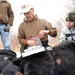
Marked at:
<point>66,52</point>
<point>45,63</point>
<point>39,64</point>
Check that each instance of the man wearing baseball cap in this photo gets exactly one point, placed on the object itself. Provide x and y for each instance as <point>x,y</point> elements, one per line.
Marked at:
<point>68,32</point>
<point>32,27</point>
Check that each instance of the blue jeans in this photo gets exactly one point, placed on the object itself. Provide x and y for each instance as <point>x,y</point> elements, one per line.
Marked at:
<point>5,37</point>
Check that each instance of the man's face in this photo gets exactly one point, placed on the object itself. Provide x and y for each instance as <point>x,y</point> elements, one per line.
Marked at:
<point>29,15</point>
<point>69,24</point>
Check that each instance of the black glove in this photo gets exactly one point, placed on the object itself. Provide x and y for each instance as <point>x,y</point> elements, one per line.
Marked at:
<point>7,28</point>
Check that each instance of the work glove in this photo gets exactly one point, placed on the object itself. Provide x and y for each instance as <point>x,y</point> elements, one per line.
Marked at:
<point>7,28</point>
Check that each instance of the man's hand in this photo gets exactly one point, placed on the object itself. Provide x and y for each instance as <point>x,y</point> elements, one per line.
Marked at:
<point>32,43</point>
<point>43,32</point>
<point>7,28</point>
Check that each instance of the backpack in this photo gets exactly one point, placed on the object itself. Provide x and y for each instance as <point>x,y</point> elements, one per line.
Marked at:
<point>6,56</point>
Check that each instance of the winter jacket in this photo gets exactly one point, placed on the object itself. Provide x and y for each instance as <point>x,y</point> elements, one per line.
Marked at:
<point>67,35</point>
<point>6,13</point>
